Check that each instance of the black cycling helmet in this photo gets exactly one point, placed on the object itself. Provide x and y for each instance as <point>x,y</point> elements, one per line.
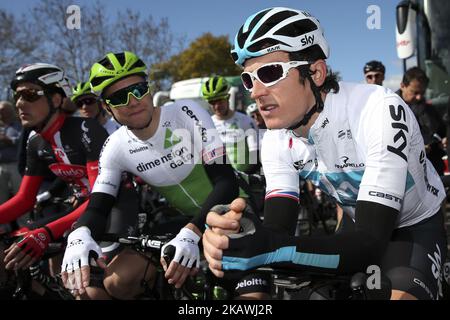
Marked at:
<point>374,65</point>
<point>50,77</point>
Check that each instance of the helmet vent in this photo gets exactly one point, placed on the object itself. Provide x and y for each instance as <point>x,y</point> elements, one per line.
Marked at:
<point>106,63</point>
<point>99,80</point>
<point>273,21</point>
<point>242,37</point>
<point>296,28</point>
<point>121,58</point>
<point>139,63</point>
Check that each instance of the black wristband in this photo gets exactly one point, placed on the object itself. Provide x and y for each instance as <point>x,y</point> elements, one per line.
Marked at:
<point>50,233</point>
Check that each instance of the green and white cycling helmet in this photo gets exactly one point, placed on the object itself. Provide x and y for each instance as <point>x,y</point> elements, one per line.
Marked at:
<point>277,29</point>
<point>113,67</point>
<point>215,88</point>
<point>81,89</point>
<point>251,108</point>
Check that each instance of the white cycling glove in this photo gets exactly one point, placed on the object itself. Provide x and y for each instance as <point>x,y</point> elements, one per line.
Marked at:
<point>79,246</point>
<point>186,247</point>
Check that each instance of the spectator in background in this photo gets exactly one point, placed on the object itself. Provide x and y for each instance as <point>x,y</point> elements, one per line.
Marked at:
<point>374,72</point>
<point>412,90</point>
<point>9,136</point>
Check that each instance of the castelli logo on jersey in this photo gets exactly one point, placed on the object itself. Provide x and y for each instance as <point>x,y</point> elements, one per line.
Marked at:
<point>71,171</point>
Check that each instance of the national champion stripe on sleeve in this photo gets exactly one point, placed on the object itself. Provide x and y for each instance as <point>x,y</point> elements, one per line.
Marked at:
<point>282,194</point>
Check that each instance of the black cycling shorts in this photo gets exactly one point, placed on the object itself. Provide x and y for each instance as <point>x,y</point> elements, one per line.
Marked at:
<point>415,257</point>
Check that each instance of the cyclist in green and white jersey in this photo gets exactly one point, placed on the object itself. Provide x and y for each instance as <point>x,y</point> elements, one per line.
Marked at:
<point>237,130</point>
<point>175,149</point>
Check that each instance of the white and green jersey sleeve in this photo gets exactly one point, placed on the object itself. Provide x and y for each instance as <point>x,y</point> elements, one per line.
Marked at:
<point>171,161</point>
<point>239,137</point>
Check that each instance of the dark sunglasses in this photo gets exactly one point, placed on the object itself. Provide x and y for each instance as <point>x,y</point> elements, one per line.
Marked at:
<point>269,74</point>
<point>29,95</point>
<point>121,97</point>
<point>85,101</point>
<point>373,76</point>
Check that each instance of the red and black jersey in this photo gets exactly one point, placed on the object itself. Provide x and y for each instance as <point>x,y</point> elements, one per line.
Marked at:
<point>70,149</point>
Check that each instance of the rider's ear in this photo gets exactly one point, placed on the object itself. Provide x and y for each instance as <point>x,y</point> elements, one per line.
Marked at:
<point>104,106</point>
<point>57,100</point>
<point>320,72</point>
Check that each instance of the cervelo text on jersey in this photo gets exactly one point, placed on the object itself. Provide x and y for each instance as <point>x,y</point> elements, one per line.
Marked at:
<point>171,161</point>
<point>198,123</point>
<point>351,159</point>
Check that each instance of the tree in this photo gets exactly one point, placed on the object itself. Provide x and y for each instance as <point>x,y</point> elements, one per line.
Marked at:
<point>43,36</point>
<point>205,56</point>
<point>17,45</point>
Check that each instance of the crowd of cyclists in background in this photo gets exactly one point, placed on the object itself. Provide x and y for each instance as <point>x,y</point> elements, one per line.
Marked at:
<point>92,144</point>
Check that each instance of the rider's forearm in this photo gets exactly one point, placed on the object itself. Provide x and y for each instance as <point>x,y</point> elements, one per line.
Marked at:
<point>284,221</point>
<point>340,253</point>
<point>57,186</point>
<point>225,190</point>
<point>254,162</point>
<point>58,227</point>
<point>96,213</point>
<point>352,251</point>
<point>23,201</point>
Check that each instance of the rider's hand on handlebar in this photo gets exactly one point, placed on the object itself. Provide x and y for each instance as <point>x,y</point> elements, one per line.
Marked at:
<point>27,251</point>
<point>186,260</point>
<point>75,269</point>
<point>221,224</point>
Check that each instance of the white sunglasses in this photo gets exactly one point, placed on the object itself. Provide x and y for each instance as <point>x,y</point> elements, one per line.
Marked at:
<point>270,73</point>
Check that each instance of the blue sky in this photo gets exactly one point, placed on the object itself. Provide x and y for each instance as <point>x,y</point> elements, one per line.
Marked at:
<point>352,43</point>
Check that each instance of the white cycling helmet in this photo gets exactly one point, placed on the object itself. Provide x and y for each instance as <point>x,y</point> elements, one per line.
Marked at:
<point>277,29</point>
<point>251,108</point>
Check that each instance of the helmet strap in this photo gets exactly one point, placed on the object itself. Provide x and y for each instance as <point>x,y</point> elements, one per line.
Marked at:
<point>112,114</point>
<point>51,112</point>
<point>318,106</point>
<point>101,111</point>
